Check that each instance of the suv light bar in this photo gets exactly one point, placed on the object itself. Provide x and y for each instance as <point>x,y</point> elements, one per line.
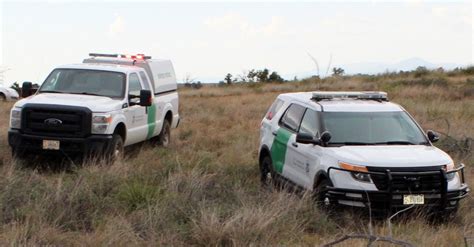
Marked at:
<point>379,96</point>
<point>138,56</point>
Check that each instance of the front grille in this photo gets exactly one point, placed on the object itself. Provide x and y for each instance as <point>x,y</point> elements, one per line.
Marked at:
<point>56,120</point>
<point>426,179</point>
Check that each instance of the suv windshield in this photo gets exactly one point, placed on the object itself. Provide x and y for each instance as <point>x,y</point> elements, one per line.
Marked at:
<point>372,128</point>
<point>88,82</point>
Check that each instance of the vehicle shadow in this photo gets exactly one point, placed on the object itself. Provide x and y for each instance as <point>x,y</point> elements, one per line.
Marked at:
<point>54,162</point>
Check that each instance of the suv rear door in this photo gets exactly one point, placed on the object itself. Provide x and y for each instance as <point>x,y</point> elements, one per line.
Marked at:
<point>284,136</point>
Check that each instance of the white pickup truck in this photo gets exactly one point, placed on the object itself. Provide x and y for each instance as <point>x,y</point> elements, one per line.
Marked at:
<point>97,108</point>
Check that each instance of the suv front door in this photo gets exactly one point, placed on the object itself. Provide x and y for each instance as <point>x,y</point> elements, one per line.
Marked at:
<point>136,115</point>
<point>305,157</point>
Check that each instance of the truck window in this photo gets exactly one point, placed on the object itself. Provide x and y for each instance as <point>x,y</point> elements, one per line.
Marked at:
<point>146,84</point>
<point>134,85</point>
<point>310,123</point>
<point>292,118</point>
<point>82,81</point>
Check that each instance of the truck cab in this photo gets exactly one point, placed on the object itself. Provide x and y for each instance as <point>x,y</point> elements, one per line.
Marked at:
<point>97,107</point>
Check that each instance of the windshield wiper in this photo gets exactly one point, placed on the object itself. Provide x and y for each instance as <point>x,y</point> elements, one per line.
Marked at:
<point>50,91</point>
<point>86,93</point>
<point>396,143</point>
<point>352,143</point>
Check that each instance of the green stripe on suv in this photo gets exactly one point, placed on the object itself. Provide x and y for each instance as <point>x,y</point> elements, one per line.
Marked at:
<point>151,120</point>
<point>278,151</point>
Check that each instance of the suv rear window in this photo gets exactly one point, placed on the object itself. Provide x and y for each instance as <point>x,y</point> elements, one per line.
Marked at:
<point>292,118</point>
<point>274,108</point>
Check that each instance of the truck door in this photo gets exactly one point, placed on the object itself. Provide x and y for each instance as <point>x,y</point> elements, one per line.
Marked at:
<point>136,115</point>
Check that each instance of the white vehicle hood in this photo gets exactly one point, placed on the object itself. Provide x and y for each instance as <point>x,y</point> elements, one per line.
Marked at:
<point>94,103</point>
<point>391,155</point>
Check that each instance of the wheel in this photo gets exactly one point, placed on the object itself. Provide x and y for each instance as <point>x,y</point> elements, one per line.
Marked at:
<point>320,194</point>
<point>164,138</point>
<point>265,170</point>
<point>268,175</point>
<point>115,150</point>
<point>3,98</point>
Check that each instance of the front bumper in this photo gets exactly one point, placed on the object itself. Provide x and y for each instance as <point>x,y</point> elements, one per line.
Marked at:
<point>93,144</point>
<point>440,199</point>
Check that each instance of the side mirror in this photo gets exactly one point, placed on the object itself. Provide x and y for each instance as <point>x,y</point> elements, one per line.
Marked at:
<point>145,98</point>
<point>432,136</point>
<point>325,137</point>
<point>305,138</point>
<point>26,89</point>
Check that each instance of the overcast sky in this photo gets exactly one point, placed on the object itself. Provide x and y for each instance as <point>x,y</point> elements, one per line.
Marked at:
<point>210,39</point>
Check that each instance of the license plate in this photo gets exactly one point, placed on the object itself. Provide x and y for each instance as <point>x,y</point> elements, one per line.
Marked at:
<point>51,145</point>
<point>413,199</point>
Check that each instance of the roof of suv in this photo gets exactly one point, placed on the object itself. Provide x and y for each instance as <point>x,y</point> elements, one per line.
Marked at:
<point>343,104</point>
<point>101,66</point>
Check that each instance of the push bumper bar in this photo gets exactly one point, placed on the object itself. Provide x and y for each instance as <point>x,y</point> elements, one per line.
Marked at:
<point>390,198</point>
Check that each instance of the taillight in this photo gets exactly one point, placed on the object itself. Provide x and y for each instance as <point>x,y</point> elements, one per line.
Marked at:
<point>269,115</point>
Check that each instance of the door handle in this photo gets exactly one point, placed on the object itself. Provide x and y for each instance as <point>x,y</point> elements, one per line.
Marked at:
<point>294,144</point>
<point>274,133</point>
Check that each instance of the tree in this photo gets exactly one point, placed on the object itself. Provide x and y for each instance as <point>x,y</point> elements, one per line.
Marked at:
<point>337,71</point>
<point>228,78</point>
<point>251,75</point>
<point>262,75</point>
<point>275,77</point>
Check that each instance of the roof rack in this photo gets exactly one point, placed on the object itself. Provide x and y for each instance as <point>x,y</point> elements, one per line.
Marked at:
<point>138,56</point>
<point>364,95</point>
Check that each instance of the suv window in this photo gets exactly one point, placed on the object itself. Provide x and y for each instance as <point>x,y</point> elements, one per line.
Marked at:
<point>292,118</point>
<point>134,85</point>
<point>274,108</point>
<point>310,123</point>
<point>145,80</point>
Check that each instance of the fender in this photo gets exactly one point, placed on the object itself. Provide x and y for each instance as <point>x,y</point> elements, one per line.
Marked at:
<point>119,118</point>
<point>320,174</point>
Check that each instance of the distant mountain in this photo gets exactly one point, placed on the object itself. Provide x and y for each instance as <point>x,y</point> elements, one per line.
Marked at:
<point>380,67</point>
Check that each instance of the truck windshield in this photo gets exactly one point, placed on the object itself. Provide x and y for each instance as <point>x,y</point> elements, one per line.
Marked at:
<point>88,82</point>
<point>373,128</point>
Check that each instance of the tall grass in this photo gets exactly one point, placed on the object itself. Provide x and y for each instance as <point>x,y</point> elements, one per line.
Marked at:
<point>204,190</point>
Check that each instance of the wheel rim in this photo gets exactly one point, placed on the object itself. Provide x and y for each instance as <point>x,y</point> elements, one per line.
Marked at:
<point>118,151</point>
<point>166,137</point>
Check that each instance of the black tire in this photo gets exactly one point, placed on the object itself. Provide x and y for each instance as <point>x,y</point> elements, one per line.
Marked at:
<point>115,150</point>
<point>164,138</point>
<point>265,170</point>
<point>320,194</point>
<point>268,176</point>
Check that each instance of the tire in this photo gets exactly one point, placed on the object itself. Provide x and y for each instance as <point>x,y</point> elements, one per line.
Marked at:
<point>164,138</point>
<point>265,170</point>
<point>115,150</point>
<point>268,176</point>
<point>320,194</point>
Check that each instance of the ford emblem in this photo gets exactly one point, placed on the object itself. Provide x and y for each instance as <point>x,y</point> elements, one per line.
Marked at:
<point>53,122</point>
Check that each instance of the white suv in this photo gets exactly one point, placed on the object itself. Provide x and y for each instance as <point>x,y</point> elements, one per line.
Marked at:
<point>356,148</point>
<point>97,107</point>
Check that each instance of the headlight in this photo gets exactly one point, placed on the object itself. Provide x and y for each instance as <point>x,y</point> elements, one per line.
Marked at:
<point>357,172</point>
<point>447,168</point>
<point>100,123</point>
<point>15,118</point>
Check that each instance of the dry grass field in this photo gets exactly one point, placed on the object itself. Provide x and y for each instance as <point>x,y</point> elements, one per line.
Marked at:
<point>204,189</point>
